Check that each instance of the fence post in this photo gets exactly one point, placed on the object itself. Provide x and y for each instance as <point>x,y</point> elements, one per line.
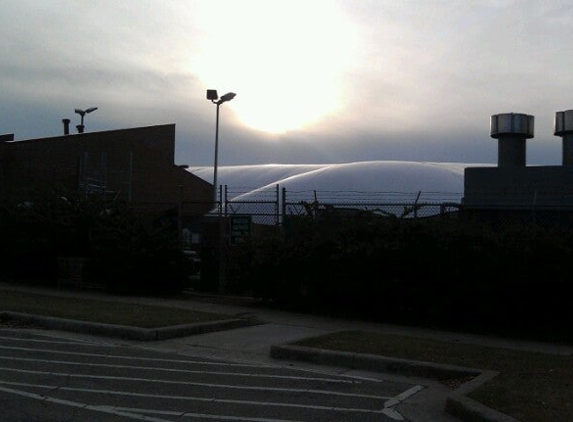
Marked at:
<point>416,204</point>
<point>284,206</point>
<point>277,205</point>
<point>222,246</point>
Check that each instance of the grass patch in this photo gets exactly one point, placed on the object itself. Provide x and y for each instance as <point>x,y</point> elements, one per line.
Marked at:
<point>531,387</point>
<point>109,312</point>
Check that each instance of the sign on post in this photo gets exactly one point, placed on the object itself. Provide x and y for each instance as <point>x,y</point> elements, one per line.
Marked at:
<point>240,229</point>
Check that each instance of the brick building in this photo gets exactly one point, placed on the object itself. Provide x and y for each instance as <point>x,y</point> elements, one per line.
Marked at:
<point>134,164</point>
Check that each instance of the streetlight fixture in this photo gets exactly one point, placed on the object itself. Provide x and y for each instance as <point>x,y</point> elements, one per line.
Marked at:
<point>214,97</point>
<point>82,113</point>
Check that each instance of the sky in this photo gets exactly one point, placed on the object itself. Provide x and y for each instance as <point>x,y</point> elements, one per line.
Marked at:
<point>321,81</point>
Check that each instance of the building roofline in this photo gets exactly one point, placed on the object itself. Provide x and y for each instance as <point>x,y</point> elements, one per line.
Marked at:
<point>111,131</point>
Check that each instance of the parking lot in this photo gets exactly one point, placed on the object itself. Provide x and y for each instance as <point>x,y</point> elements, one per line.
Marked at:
<point>46,377</point>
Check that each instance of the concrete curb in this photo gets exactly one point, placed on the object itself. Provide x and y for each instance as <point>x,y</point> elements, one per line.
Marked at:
<point>457,404</point>
<point>466,409</point>
<point>469,410</point>
<point>127,332</point>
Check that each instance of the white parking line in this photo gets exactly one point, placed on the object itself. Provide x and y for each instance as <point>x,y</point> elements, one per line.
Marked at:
<point>200,399</point>
<point>202,415</point>
<point>197,384</point>
<point>394,401</point>
<point>72,342</point>
<point>44,334</point>
<point>100,355</point>
<point>403,396</point>
<point>129,412</point>
<point>103,409</point>
<point>186,371</point>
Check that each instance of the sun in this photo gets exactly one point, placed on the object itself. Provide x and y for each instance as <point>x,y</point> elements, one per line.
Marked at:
<point>286,60</point>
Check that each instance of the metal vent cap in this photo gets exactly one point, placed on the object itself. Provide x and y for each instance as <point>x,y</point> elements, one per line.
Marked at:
<point>512,124</point>
<point>563,122</point>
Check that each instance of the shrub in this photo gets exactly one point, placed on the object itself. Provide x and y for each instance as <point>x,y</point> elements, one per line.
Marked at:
<point>130,253</point>
<point>422,271</point>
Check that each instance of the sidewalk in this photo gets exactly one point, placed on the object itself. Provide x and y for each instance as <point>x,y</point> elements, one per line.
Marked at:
<point>253,332</point>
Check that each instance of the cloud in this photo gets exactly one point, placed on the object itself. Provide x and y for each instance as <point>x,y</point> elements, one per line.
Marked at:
<point>417,80</point>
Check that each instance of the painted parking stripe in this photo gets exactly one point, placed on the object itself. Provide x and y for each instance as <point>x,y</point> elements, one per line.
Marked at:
<point>403,396</point>
<point>200,362</point>
<point>37,340</point>
<point>200,399</point>
<point>197,384</point>
<point>129,412</point>
<point>187,371</point>
<point>103,409</point>
<point>41,333</point>
<point>202,415</point>
<point>44,334</point>
<point>100,355</point>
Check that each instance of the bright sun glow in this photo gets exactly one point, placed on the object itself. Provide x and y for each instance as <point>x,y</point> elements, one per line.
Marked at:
<point>285,60</point>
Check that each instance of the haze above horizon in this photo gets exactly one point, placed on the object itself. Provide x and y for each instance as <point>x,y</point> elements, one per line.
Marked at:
<point>327,81</point>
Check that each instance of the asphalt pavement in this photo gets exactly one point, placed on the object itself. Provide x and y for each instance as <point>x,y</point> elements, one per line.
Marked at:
<point>258,334</point>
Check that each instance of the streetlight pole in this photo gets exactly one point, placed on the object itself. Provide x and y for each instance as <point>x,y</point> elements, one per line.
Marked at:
<point>221,261</point>
<point>214,97</point>
<point>216,153</point>
<point>82,113</point>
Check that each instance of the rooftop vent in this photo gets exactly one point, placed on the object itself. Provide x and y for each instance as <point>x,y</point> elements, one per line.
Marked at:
<point>564,128</point>
<point>66,123</point>
<point>511,130</point>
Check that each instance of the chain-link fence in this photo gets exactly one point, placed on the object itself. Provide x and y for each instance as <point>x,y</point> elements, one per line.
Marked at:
<point>270,205</point>
<point>241,214</point>
<point>239,210</point>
